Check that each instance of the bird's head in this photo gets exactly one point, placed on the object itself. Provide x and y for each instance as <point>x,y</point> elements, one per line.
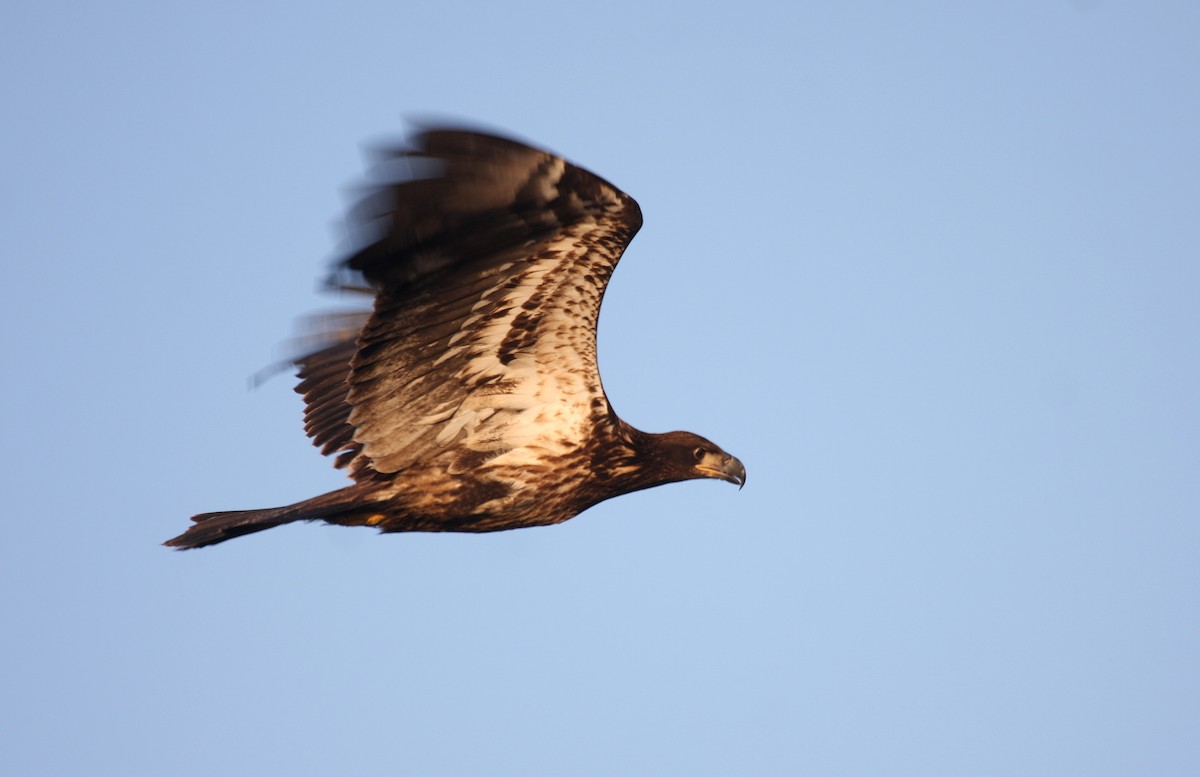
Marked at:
<point>687,456</point>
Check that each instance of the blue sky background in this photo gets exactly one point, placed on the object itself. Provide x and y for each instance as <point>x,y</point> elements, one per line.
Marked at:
<point>930,269</point>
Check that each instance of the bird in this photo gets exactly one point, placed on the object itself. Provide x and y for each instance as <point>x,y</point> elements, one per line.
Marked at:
<point>468,398</point>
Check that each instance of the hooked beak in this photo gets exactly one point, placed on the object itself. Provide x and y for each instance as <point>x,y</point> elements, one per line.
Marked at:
<point>722,466</point>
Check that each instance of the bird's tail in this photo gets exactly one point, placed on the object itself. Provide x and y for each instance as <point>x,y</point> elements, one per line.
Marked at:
<point>345,507</point>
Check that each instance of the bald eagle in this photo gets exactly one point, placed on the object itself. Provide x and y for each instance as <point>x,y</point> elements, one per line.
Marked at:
<point>469,398</point>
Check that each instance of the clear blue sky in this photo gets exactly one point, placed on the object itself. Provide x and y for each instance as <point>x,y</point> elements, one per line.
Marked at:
<point>929,269</point>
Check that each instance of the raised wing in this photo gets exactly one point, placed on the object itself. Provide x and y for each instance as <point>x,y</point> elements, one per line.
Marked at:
<point>489,263</point>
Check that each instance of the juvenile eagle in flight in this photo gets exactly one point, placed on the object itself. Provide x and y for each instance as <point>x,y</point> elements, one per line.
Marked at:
<point>469,398</point>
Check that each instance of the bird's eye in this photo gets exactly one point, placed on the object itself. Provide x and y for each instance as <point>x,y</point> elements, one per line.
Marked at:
<point>698,453</point>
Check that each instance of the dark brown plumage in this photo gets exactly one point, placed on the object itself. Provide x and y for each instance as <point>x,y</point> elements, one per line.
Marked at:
<point>469,399</point>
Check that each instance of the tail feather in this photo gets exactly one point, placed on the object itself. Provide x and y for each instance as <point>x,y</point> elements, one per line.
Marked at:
<point>343,507</point>
<point>211,528</point>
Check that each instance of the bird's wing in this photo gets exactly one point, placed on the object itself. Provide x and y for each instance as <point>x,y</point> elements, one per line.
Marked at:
<point>488,261</point>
